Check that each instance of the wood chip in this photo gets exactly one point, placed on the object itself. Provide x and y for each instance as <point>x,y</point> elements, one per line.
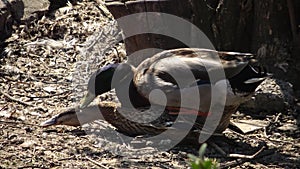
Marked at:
<point>288,127</point>
<point>247,126</point>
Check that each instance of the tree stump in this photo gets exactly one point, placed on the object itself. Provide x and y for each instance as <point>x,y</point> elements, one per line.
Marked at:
<point>259,27</point>
<point>227,24</point>
<point>151,43</point>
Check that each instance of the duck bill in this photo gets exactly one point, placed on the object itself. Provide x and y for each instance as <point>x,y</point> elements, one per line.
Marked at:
<point>88,98</point>
<point>49,122</point>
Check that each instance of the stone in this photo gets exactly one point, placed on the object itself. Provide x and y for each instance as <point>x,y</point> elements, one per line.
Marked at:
<point>34,8</point>
<point>272,95</point>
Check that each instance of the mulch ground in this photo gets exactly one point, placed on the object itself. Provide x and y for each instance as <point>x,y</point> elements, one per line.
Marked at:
<point>45,67</point>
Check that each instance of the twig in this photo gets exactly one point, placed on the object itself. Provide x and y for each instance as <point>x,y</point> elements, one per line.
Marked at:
<point>233,163</point>
<point>3,107</point>
<point>30,166</point>
<point>235,155</point>
<point>15,100</point>
<point>265,133</point>
<point>96,163</point>
<point>65,159</point>
<point>240,161</point>
<point>247,156</point>
<point>277,117</point>
<point>22,102</point>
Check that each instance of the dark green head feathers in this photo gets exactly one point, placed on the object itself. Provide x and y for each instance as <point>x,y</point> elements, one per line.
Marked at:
<point>99,83</point>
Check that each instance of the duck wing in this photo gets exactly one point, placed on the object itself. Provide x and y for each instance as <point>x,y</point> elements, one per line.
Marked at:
<point>175,71</point>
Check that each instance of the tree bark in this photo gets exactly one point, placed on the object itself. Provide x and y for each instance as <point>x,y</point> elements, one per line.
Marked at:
<point>260,27</point>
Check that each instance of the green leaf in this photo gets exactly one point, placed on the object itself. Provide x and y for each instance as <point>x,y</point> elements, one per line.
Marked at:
<point>192,157</point>
<point>202,150</point>
<point>200,162</point>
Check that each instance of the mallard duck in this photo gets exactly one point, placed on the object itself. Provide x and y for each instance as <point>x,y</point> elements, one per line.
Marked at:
<point>134,86</point>
<point>110,112</point>
<point>179,74</point>
<point>135,122</point>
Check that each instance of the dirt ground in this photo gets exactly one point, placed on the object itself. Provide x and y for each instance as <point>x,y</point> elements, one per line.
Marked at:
<point>39,76</point>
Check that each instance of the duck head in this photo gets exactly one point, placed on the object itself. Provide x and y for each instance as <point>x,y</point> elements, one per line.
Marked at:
<point>105,79</point>
<point>67,117</point>
<point>99,83</point>
<point>77,117</point>
<point>248,79</point>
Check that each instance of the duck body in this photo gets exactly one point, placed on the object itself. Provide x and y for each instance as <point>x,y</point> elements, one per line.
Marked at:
<point>185,74</point>
<point>185,80</point>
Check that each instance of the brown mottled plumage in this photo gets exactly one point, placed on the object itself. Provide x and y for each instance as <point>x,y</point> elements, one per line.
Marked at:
<point>114,114</point>
<point>109,111</point>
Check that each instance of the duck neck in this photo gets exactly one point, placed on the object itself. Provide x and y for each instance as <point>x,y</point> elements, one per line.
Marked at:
<point>103,111</point>
<point>126,90</point>
<point>136,98</point>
